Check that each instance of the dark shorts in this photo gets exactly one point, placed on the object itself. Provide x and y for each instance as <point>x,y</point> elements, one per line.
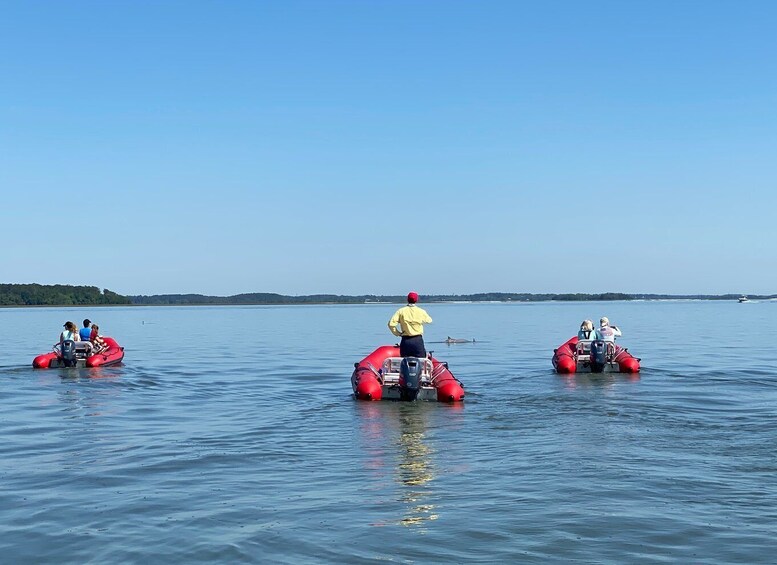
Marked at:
<point>412,346</point>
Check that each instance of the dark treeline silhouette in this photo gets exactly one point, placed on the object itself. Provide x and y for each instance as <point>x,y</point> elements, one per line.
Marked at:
<point>66,295</point>
<point>271,298</point>
<point>56,295</point>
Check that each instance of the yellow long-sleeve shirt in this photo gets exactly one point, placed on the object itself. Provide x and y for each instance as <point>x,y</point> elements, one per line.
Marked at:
<point>411,320</point>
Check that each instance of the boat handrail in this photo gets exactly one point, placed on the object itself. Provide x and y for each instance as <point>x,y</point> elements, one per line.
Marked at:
<point>583,349</point>
<point>391,366</point>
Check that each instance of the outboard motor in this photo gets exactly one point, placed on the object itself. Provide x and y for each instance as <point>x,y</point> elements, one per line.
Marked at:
<point>68,352</point>
<point>410,377</point>
<point>598,359</point>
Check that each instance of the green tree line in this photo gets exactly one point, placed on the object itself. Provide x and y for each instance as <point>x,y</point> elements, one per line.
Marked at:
<point>57,295</point>
<point>272,298</point>
<point>66,295</point>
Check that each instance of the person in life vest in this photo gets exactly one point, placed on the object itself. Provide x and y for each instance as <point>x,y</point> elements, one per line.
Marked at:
<point>408,323</point>
<point>86,331</point>
<point>70,333</point>
<point>587,332</point>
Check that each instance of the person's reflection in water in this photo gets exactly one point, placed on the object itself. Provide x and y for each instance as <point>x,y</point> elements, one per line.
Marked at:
<point>415,466</point>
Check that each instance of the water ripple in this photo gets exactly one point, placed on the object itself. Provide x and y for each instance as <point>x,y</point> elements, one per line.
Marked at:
<point>255,451</point>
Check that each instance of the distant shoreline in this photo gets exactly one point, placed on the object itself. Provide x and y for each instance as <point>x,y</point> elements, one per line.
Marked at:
<point>61,296</point>
<point>198,304</point>
<point>318,299</point>
<point>262,299</point>
<point>426,302</point>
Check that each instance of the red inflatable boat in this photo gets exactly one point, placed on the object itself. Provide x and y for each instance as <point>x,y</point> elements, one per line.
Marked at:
<point>593,357</point>
<point>79,356</point>
<point>383,374</point>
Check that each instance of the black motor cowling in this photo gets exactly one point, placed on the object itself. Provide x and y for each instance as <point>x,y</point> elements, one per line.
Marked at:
<point>410,377</point>
<point>68,352</point>
<point>598,359</point>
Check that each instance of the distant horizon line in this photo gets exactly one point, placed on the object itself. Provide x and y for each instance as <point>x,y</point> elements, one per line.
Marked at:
<point>506,297</point>
<point>446,296</point>
<point>699,298</point>
<point>35,294</point>
<point>366,295</point>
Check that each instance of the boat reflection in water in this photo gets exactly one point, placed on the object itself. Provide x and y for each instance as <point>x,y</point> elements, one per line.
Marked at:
<point>94,373</point>
<point>400,458</point>
<point>597,380</point>
<point>415,469</point>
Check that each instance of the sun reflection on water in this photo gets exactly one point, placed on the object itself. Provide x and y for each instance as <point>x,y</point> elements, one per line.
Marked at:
<point>415,470</point>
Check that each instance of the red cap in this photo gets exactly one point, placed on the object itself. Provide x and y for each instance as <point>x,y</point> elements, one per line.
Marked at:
<point>412,297</point>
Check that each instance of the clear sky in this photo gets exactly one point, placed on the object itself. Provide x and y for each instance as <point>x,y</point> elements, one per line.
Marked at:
<point>378,146</point>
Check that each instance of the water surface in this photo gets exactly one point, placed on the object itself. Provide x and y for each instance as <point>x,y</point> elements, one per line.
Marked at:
<point>230,435</point>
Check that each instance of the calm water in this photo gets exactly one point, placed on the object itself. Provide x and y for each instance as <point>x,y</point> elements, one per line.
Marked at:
<point>229,435</point>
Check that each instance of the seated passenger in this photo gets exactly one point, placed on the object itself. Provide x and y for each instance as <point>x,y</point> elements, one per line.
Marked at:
<point>86,331</point>
<point>587,332</point>
<point>70,333</point>
<point>97,341</point>
<point>606,332</point>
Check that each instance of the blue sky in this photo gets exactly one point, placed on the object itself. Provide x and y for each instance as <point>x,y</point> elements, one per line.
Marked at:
<point>372,147</point>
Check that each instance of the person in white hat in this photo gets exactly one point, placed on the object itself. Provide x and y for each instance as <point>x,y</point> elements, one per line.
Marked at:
<point>606,332</point>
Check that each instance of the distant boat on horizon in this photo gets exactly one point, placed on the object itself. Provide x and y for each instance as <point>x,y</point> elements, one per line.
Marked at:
<point>743,298</point>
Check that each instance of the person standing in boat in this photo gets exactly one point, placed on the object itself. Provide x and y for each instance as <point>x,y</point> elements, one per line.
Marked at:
<point>411,320</point>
